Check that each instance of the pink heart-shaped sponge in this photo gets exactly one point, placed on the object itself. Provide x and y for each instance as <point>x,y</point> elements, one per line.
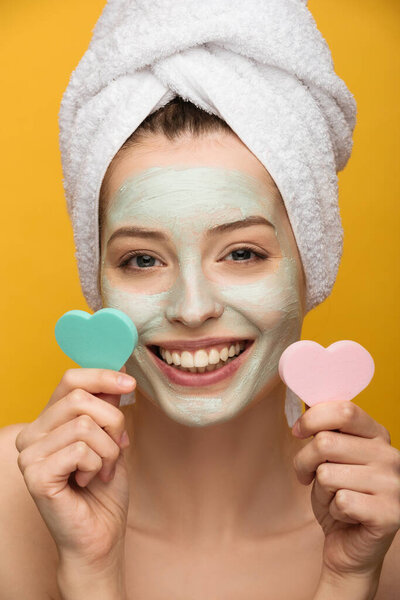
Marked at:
<point>318,374</point>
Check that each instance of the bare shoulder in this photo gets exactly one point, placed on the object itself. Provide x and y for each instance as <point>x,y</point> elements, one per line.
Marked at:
<point>28,553</point>
<point>389,583</point>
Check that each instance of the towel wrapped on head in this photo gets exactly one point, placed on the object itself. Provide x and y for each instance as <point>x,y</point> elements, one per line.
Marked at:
<point>261,65</point>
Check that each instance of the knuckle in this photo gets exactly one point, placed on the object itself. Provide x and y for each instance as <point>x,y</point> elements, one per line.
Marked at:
<point>77,396</point>
<point>68,378</point>
<point>84,424</point>
<point>79,448</point>
<point>323,441</point>
<point>322,474</point>
<point>342,500</point>
<point>347,411</point>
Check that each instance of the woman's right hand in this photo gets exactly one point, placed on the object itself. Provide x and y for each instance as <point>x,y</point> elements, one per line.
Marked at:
<point>80,432</point>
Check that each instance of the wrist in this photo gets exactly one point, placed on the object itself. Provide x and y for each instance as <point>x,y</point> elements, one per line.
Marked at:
<point>347,586</point>
<point>79,579</point>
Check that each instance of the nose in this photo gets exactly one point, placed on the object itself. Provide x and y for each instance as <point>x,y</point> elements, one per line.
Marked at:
<point>192,301</point>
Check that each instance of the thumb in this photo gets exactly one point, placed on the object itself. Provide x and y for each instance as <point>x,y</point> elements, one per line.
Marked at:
<point>113,399</point>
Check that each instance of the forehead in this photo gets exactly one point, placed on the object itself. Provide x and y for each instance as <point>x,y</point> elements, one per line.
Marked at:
<point>218,150</point>
<point>196,197</point>
<point>231,176</point>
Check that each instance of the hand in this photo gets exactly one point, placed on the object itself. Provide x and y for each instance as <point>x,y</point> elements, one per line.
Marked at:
<point>356,490</point>
<point>84,511</point>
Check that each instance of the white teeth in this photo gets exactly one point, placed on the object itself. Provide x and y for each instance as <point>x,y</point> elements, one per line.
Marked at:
<point>176,358</point>
<point>206,368</point>
<point>200,358</point>
<point>213,357</point>
<point>187,359</point>
<point>224,354</point>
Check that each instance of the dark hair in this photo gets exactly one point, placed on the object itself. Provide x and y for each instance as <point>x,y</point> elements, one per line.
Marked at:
<point>177,118</point>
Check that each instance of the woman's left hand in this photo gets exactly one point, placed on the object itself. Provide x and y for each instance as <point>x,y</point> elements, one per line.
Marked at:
<point>356,491</point>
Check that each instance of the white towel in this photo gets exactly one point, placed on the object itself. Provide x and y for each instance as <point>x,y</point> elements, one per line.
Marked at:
<point>261,65</point>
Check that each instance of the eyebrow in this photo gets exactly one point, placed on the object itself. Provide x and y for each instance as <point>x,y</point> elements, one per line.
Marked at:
<point>143,232</point>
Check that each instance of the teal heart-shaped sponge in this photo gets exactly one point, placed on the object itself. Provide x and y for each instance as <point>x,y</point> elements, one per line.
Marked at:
<point>104,340</point>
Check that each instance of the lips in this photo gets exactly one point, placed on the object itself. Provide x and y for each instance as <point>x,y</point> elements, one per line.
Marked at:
<point>199,379</point>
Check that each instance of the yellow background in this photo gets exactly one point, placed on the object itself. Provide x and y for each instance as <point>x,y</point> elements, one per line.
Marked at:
<point>40,44</point>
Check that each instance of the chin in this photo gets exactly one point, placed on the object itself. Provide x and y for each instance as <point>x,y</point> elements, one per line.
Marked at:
<point>197,410</point>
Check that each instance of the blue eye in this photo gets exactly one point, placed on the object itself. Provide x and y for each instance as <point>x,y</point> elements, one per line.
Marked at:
<point>243,255</point>
<point>143,261</point>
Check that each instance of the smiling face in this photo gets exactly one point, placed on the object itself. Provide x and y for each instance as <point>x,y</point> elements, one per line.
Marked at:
<point>198,251</point>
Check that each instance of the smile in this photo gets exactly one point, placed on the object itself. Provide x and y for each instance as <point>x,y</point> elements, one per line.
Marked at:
<point>202,366</point>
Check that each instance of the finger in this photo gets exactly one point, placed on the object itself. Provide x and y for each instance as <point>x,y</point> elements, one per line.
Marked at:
<point>76,403</point>
<point>336,448</point>
<point>379,517</point>
<point>95,381</point>
<point>330,477</point>
<point>344,416</point>
<point>114,399</point>
<point>82,428</point>
<point>47,478</point>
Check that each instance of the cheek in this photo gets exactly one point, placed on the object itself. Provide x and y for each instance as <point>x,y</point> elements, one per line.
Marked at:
<point>271,301</point>
<point>144,310</point>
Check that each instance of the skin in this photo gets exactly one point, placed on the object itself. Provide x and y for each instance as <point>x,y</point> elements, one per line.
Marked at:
<point>258,436</point>
<point>222,509</point>
<point>198,279</point>
<point>177,460</point>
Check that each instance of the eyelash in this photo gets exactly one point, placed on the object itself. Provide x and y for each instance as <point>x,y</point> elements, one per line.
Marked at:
<point>124,265</point>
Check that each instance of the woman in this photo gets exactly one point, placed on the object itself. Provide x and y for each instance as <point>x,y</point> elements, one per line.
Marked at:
<point>212,496</point>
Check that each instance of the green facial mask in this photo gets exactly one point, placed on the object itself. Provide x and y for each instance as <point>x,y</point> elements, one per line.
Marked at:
<point>185,202</point>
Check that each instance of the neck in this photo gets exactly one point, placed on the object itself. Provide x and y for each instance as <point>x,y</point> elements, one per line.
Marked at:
<point>230,480</point>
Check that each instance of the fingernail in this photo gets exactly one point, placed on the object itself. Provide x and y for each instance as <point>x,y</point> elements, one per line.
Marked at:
<point>296,428</point>
<point>125,381</point>
<point>124,441</point>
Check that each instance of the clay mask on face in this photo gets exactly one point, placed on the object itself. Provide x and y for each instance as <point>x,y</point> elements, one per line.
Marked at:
<point>184,202</point>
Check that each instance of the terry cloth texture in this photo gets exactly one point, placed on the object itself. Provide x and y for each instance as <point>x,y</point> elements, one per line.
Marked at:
<point>261,65</point>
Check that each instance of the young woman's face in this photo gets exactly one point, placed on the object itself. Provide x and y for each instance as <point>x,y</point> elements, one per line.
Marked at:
<point>198,251</point>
